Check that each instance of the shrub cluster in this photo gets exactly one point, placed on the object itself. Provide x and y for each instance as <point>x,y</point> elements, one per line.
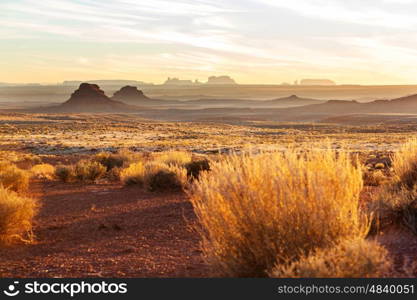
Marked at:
<point>396,203</point>
<point>167,171</point>
<point>13,178</point>
<point>16,215</point>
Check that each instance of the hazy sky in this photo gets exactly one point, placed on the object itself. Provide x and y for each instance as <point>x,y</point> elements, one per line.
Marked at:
<point>254,41</point>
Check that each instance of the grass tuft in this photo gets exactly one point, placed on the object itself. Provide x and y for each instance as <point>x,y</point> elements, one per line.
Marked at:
<point>13,178</point>
<point>44,171</point>
<point>16,214</point>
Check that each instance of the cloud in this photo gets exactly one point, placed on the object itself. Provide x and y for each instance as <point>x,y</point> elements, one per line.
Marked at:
<point>281,39</point>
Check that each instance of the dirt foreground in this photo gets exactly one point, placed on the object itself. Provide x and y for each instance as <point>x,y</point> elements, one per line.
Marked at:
<point>107,230</point>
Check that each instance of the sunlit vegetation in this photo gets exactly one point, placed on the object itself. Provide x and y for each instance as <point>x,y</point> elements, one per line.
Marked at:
<point>16,214</point>
<point>13,178</point>
<point>356,258</point>
<point>260,210</point>
<point>396,203</point>
<point>44,171</point>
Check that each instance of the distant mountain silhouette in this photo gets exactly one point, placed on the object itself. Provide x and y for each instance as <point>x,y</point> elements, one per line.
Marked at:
<point>292,100</point>
<point>90,98</point>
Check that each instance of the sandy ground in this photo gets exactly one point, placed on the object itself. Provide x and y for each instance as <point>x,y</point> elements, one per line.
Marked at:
<point>107,231</point>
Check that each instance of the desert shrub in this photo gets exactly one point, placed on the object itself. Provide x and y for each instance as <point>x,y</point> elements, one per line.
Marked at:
<point>16,214</point>
<point>114,174</point>
<point>64,173</point>
<point>195,167</point>
<point>374,178</point>
<point>396,203</point>
<point>86,170</point>
<point>116,160</point>
<point>394,206</point>
<point>46,171</point>
<point>134,174</point>
<point>177,158</point>
<point>351,258</point>
<point>405,164</point>
<point>255,208</point>
<point>33,159</point>
<point>160,177</point>
<point>13,178</point>
<point>155,176</point>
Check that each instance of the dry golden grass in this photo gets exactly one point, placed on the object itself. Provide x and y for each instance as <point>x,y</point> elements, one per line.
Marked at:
<point>396,203</point>
<point>116,160</point>
<point>155,176</point>
<point>161,177</point>
<point>16,214</point>
<point>45,171</point>
<point>405,164</point>
<point>177,158</point>
<point>374,178</point>
<point>64,173</point>
<point>257,209</point>
<point>351,258</point>
<point>13,178</point>
<point>134,174</point>
<point>89,171</point>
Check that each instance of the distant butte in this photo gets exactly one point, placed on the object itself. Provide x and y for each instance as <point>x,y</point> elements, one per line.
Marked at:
<point>90,98</point>
<point>130,94</point>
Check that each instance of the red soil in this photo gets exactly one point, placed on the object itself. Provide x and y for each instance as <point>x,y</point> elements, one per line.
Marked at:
<point>107,230</point>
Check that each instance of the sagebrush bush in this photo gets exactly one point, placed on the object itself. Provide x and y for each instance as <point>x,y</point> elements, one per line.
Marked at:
<point>116,160</point>
<point>374,178</point>
<point>44,171</point>
<point>114,174</point>
<point>254,209</point>
<point>160,177</point>
<point>404,164</point>
<point>134,174</point>
<point>196,166</point>
<point>65,173</point>
<point>155,176</point>
<point>177,158</point>
<point>351,258</point>
<point>394,205</point>
<point>16,214</point>
<point>87,170</point>
<point>13,178</point>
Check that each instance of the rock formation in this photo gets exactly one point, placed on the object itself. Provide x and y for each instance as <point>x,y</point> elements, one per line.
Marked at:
<point>130,94</point>
<point>90,98</point>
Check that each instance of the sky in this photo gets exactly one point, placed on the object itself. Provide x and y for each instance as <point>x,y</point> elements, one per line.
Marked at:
<point>253,41</point>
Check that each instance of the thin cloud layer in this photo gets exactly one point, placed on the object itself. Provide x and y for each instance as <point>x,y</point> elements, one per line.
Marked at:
<point>255,41</point>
